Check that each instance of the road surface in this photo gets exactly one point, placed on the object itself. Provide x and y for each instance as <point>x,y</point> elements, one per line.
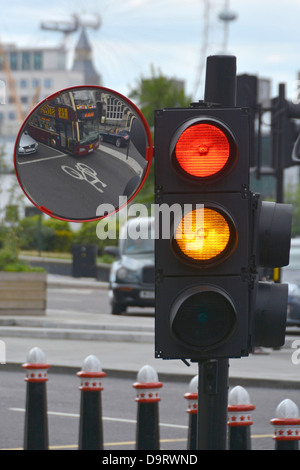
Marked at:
<point>73,187</point>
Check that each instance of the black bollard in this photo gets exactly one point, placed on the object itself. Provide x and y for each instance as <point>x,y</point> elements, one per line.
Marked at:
<point>192,397</point>
<point>147,431</point>
<point>239,419</point>
<point>36,419</point>
<point>286,426</point>
<point>90,424</point>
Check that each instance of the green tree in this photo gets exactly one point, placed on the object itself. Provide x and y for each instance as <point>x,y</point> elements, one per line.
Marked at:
<point>62,235</point>
<point>30,229</point>
<point>157,92</point>
<point>151,93</point>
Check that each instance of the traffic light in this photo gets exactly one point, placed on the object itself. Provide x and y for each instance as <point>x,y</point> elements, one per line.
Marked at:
<point>268,307</point>
<point>285,131</point>
<point>211,235</point>
<point>202,264</point>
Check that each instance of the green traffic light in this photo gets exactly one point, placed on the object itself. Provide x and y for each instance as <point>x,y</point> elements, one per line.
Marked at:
<point>204,319</point>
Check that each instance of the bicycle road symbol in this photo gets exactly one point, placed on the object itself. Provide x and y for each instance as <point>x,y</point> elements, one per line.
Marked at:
<point>84,172</point>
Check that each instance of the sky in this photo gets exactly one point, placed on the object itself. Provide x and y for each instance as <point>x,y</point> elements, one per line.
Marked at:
<point>174,36</point>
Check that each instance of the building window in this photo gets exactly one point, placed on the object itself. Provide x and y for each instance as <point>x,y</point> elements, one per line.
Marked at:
<point>24,99</point>
<point>14,61</point>
<point>25,61</point>
<point>37,60</point>
<point>35,82</point>
<point>114,109</point>
<point>61,60</point>
<point>11,116</point>
<point>23,83</point>
<point>48,83</point>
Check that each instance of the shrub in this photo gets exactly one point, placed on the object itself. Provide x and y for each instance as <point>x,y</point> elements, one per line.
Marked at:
<point>62,241</point>
<point>7,257</point>
<point>21,267</point>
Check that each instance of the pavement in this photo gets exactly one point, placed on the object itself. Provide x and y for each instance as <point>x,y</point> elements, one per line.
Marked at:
<point>125,343</point>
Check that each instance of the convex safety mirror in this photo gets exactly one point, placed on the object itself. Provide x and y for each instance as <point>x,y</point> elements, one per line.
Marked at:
<point>83,153</point>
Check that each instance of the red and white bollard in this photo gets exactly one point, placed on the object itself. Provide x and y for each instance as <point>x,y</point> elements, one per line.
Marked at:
<point>147,431</point>
<point>286,426</point>
<point>36,419</point>
<point>239,419</point>
<point>192,397</point>
<point>90,425</point>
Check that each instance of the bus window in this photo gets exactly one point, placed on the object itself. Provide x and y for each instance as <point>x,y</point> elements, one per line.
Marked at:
<point>88,131</point>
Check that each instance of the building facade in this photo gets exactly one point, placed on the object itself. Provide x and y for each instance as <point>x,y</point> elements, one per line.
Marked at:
<point>28,75</point>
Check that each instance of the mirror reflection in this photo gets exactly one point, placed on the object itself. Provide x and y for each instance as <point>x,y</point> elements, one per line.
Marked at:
<point>82,148</point>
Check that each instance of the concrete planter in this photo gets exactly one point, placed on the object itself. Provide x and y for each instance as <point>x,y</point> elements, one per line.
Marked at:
<point>23,293</point>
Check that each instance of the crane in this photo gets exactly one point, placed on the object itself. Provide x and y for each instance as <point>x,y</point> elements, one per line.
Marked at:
<point>68,27</point>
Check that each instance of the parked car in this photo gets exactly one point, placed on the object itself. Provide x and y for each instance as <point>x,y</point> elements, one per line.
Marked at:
<point>132,274</point>
<point>291,275</point>
<point>120,138</point>
<point>27,145</point>
<point>293,310</point>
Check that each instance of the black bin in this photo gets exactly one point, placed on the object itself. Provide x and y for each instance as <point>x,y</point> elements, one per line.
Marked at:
<point>84,261</point>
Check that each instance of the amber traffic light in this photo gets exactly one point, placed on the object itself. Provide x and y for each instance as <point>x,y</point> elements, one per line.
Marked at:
<point>205,235</point>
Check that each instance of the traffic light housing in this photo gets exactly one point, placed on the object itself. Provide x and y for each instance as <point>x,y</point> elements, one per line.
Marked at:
<point>285,131</point>
<point>202,264</point>
<point>268,306</point>
<point>212,235</point>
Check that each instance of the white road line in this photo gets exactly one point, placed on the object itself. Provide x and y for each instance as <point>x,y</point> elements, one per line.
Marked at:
<point>61,154</point>
<point>119,420</point>
<point>43,159</point>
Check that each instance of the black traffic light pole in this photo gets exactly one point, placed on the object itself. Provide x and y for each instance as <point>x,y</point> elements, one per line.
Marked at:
<point>220,90</point>
<point>212,404</point>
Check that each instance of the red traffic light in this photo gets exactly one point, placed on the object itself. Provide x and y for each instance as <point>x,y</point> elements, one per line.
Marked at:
<point>205,150</point>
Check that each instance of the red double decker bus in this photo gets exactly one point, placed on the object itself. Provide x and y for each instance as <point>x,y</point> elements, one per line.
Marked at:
<point>67,123</point>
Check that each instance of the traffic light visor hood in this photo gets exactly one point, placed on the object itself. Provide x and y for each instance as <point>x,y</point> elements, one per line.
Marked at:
<point>203,149</point>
